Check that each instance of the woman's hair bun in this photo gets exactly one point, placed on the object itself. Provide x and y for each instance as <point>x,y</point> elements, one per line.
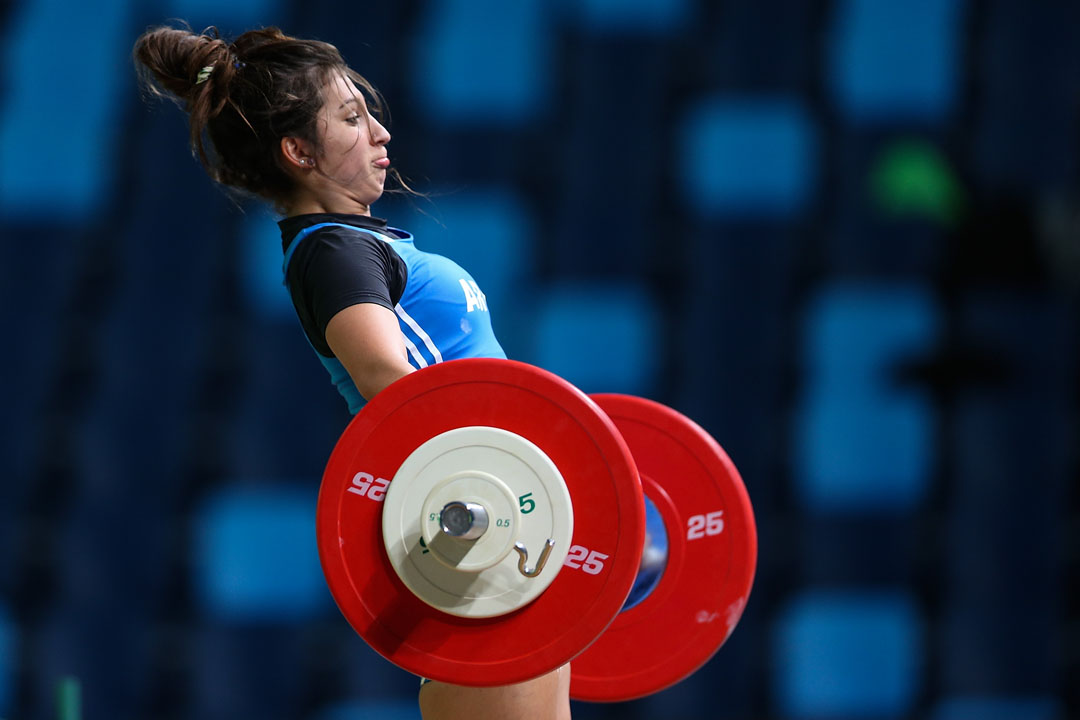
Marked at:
<point>179,63</point>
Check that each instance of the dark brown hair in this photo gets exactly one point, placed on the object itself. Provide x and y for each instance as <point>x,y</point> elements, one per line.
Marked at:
<point>244,96</point>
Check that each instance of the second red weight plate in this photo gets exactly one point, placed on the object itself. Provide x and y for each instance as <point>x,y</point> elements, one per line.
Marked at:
<point>712,555</point>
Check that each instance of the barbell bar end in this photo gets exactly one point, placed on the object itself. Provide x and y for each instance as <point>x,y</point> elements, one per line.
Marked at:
<point>463,520</point>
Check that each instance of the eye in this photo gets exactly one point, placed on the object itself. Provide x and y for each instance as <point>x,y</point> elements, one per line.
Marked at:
<point>353,119</point>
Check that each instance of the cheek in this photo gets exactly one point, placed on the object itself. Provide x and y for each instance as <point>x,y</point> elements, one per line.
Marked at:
<point>341,142</point>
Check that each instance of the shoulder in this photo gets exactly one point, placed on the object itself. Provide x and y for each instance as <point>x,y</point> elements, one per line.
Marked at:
<point>331,230</point>
<point>335,245</point>
<point>331,251</point>
<point>341,237</point>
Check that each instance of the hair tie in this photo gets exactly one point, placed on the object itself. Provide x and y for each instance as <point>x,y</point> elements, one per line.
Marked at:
<point>238,64</point>
<point>204,74</point>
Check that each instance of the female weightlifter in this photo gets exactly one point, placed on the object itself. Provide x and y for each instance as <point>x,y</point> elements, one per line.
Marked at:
<point>288,121</point>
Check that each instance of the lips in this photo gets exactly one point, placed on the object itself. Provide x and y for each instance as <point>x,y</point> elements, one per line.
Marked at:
<point>382,163</point>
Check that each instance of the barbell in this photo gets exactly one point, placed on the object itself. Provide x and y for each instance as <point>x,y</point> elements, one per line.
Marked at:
<point>483,522</point>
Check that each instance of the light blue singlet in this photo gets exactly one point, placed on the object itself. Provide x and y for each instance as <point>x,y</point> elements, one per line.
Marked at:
<point>443,315</point>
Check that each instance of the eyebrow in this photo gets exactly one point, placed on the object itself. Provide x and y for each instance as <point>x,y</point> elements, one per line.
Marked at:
<point>353,99</point>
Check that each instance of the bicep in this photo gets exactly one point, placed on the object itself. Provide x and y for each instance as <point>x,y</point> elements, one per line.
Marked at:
<point>366,339</point>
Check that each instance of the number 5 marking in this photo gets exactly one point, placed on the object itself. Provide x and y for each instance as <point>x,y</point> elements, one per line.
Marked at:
<point>527,503</point>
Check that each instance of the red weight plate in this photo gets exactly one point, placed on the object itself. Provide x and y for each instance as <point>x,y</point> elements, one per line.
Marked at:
<point>712,554</point>
<point>608,522</point>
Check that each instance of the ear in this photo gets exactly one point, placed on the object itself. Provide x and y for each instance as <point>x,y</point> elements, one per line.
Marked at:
<point>298,153</point>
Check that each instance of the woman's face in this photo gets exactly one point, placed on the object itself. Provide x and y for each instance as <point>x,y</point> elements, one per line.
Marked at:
<point>352,155</point>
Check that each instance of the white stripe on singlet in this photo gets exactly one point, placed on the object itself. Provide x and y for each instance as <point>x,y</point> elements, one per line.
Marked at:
<point>417,357</point>
<point>420,333</point>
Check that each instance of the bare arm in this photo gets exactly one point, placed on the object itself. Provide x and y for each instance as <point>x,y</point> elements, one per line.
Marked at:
<point>367,340</point>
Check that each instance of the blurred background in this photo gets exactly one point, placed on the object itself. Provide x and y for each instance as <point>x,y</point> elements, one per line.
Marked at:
<point>844,236</point>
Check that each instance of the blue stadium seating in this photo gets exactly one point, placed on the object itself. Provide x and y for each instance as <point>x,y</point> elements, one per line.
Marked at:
<point>848,654</point>
<point>896,63</point>
<point>998,708</point>
<point>482,62</point>
<point>260,593</point>
<point>857,332</point>
<point>645,17</point>
<point>601,337</point>
<point>55,134</point>
<point>864,454</point>
<point>9,639</point>
<point>861,441</point>
<point>254,557</point>
<point>746,157</point>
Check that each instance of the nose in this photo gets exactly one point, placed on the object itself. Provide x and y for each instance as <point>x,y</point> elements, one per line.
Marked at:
<point>379,134</point>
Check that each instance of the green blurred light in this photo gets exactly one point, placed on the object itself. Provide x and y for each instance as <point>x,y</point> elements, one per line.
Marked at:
<point>911,178</point>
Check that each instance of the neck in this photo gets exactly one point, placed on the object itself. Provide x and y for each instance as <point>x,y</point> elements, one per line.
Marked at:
<point>306,204</point>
